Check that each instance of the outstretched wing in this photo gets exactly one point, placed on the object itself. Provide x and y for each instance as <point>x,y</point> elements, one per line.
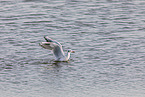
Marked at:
<point>53,45</point>
<point>51,40</point>
<point>48,39</point>
<point>48,45</point>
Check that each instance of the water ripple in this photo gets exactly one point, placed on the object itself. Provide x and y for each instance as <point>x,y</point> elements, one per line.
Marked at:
<point>107,36</point>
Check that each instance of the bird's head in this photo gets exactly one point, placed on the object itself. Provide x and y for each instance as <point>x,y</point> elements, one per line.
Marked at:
<point>70,51</point>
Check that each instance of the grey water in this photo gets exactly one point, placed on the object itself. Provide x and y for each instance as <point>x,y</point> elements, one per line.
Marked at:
<point>108,37</point>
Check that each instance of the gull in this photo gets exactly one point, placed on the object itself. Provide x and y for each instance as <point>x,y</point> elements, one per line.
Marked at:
<point>56,47</point>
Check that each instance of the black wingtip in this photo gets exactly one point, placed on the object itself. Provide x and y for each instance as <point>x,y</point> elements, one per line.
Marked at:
<point>45,38</point>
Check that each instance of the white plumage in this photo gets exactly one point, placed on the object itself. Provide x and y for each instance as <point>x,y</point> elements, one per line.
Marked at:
<point>56,47</point>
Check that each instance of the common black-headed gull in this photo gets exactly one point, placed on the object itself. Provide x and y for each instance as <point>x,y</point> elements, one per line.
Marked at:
<point>56,47</point>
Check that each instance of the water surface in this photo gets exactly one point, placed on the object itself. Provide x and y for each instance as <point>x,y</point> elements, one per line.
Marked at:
<point>108,37</point>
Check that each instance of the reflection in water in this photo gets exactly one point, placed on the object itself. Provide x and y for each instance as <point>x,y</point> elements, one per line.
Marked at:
<point>55,65</point>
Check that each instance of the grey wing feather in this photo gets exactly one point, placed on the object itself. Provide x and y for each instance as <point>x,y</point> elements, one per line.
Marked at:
<point>48,45</point>
<point>51,40</point>
<point>48,39</point>
<point>57,50</point>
